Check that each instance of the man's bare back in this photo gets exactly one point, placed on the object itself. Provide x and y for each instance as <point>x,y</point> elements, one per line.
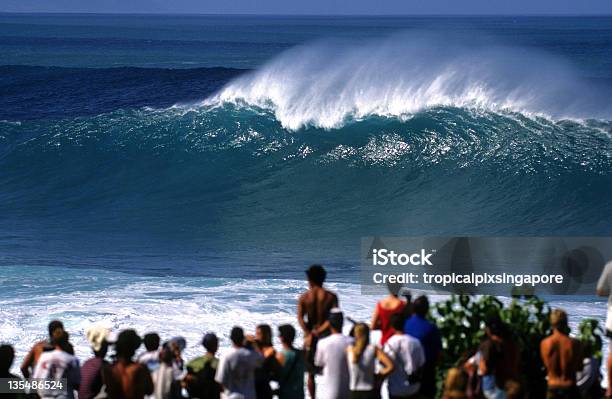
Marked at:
<point>128,380</point>
<point>562,357</point>
<point>314,306</point>
<point>29,362</point>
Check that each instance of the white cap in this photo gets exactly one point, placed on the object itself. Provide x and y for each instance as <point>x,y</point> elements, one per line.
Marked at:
<point>96,336</point>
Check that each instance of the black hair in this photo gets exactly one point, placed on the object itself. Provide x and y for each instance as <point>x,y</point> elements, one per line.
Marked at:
<point>166,355</point>
<point>127,343</point>
<point>54,325</point>
<point>210,342</point>
<point>420,306</point>
<point>61,340</point>
<point>336,320</point>
<point>287,333</point>
<point>267,333</point>
<point>151,341</point>
<point>7,355</point>
<point>397,322</point>
<point>316,274</point>
<point>495,324</point>
<point>237,336</point>
<point>103,350</point>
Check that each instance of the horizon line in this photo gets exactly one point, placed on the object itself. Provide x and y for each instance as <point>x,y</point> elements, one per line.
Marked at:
<point>219,14</point>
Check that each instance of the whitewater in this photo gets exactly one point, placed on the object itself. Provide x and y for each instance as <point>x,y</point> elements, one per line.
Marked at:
<point>328,83</point>
<point>172,306</point>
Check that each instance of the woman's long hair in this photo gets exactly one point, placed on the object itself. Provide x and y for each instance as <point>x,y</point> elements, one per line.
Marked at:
<point>362,340</point>
<point>266,335</point>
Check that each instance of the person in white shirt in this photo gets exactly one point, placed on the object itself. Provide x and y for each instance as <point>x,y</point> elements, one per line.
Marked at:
<point>604,288</point>
<point>58,364</point>
<point>150,357</point>
<point>177,345</point>
<point>408,359</point>
<point>331,357</point>
<point>166,386</point>
<point>236,372</point>
<point>361,358</point>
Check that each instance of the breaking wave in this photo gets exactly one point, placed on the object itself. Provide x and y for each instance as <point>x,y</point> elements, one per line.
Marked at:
<point>326,84</point>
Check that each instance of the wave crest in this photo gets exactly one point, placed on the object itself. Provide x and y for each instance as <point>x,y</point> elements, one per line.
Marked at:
<point>325,84</point>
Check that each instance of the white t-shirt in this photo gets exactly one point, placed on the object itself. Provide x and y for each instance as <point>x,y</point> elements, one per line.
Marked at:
<point>149,359</point>
<point>331,356</point>
<point>163,378</point>
<point>408,356</point>
<point>605,284</point>
<point>236,373</point>
<point>55,365</point>
<point>362,372</point>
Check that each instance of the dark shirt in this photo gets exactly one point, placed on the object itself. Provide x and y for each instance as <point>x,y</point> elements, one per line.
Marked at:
<point>263,375</point>
<point>427,333</point>
<point>91,378</point>
<point>202,383</point>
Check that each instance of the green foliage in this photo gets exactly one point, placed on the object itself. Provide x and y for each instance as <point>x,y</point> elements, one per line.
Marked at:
<point>461,323</point>
<point>589,333</point>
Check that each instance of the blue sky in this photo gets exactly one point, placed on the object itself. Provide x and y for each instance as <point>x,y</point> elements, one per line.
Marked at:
<point>314,6</point>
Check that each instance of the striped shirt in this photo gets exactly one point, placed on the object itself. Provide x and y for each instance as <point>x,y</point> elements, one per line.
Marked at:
<point>91,378</point>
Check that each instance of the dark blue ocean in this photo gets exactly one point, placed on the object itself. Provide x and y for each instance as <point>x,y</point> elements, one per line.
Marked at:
<point>195,165</point>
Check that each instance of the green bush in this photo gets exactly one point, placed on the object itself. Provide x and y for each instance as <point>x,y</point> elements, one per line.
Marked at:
<point>589,333</point>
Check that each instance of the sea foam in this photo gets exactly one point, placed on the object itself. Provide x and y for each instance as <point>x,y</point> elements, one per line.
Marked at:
<point>170,306</point>
<point>327,83</point>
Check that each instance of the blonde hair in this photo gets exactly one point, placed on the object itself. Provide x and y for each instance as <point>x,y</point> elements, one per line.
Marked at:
<point>362,340</point>
<point>455,384</point>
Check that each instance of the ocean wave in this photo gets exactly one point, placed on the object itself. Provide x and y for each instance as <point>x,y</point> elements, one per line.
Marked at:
<point>200,173</point>
<point>439,135</point>
<point>182,166</point>
<point>328,83</point>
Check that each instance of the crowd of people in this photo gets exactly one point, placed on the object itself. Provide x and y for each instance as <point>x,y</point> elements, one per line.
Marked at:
<point>404,361</point>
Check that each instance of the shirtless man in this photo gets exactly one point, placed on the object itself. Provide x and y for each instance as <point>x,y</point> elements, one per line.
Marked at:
<point>562,357</point>
<point>56,328</point>
<point>126,379</point>
<point>313,310</point>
